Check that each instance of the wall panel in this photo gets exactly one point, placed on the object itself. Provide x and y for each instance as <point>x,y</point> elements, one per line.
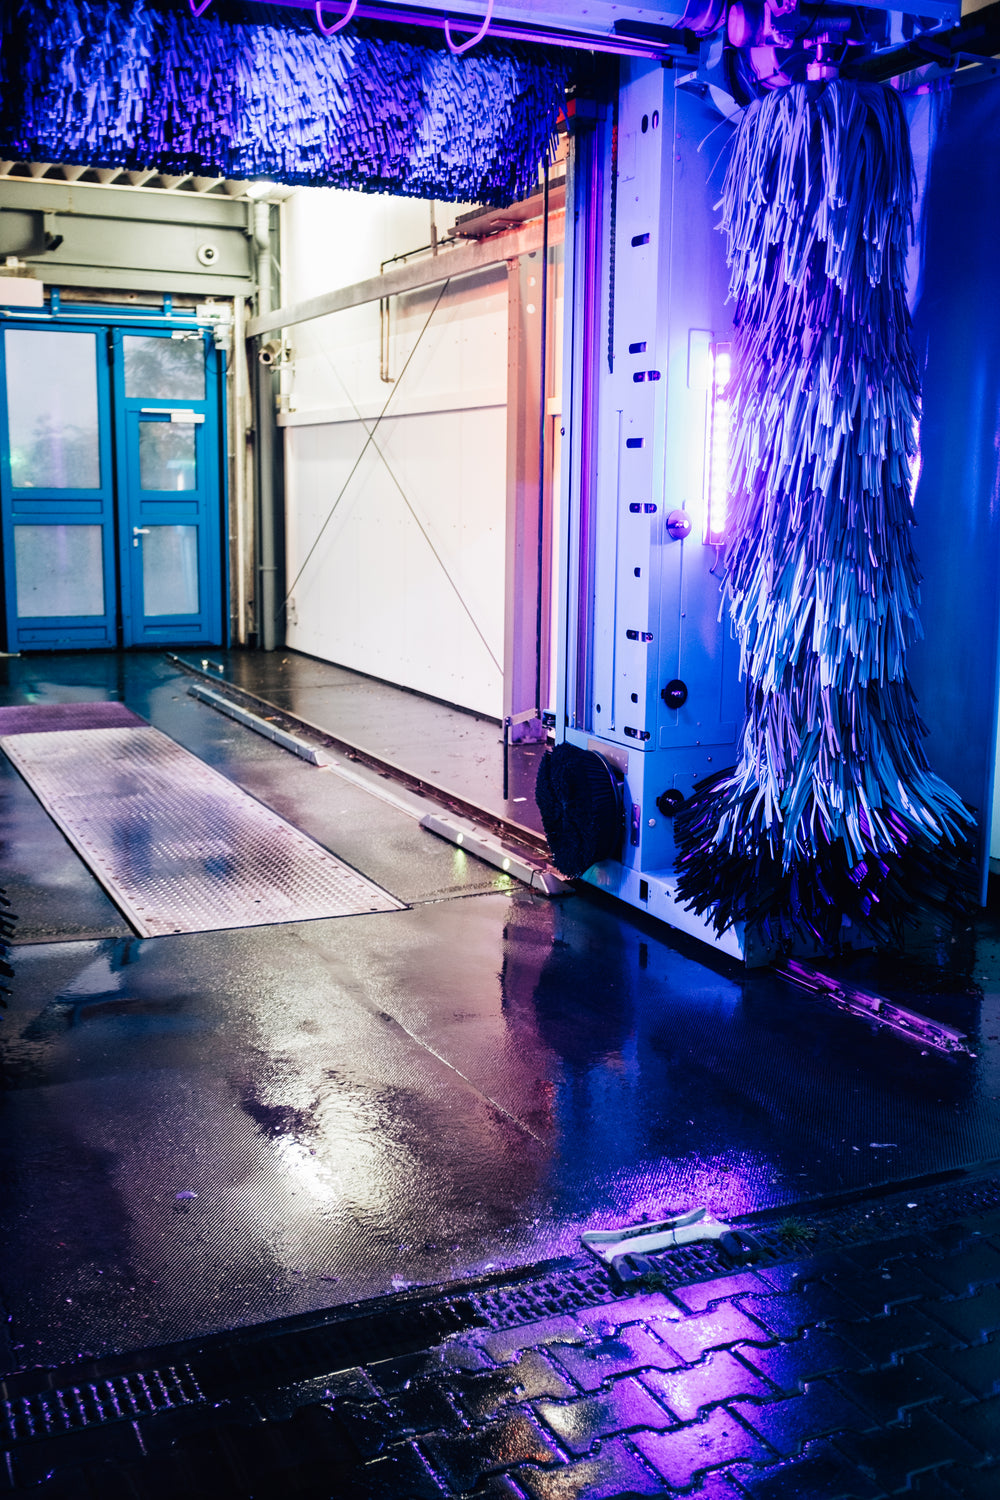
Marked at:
<point>957,500</point>
<point>395,566</point>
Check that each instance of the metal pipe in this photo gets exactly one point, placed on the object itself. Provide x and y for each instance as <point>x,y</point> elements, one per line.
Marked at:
<point>265,261</point>
<point>238,417</point>
<point>267,592</point>
<point>543,416</point>
<point>459,260</point>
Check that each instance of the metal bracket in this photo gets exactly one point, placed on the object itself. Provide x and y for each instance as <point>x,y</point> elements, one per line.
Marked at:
<point>51,238</point>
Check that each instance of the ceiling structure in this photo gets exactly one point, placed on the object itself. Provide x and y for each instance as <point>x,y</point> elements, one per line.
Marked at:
<point>118,177</point>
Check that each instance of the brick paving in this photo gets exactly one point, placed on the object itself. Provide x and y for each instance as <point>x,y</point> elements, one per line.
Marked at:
<point>865,1372</point>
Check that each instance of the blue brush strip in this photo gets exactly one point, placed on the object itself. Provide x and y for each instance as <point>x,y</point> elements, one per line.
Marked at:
<point>126,84</point>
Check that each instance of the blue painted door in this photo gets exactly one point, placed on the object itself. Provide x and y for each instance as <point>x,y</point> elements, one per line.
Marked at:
<point>57,486</point>
<point>166,394</point>
<point>111,484</point>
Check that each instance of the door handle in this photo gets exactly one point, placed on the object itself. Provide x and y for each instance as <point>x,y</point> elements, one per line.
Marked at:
<point>137,532</point>
<point>174,413</point>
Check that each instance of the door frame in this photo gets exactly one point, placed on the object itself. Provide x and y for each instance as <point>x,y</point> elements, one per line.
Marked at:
<point>81,633</point>
<point>69,507</point>
<point>129,411</point>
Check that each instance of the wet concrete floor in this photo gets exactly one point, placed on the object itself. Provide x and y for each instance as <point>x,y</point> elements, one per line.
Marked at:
<point>451,748</point>
<point>211,1130</point>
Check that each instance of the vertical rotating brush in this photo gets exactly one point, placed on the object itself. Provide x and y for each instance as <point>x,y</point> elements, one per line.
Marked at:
<point>832,811</point>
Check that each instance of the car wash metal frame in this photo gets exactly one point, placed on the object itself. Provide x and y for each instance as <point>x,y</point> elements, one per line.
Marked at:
<point>647,666</point>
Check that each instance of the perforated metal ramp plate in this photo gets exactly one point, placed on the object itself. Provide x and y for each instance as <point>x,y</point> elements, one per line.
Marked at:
<point>178,847</point>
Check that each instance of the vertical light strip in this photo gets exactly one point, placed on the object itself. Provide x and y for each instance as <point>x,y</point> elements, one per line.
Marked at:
<point>717,437</point>
<point>916,462</point>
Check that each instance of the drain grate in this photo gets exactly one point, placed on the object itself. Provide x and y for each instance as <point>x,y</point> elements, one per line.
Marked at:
<point>176,845</point>
<point>52,1413</point>
<point>578,1285</point>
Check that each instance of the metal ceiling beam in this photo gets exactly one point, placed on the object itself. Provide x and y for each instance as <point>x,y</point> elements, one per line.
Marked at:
<point>604,26</point>
<point>977,35</point>
<point>447,264</point>
<point>88,200</point>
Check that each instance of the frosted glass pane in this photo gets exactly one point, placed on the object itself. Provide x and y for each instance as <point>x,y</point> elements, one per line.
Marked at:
<point>52,409</point>
<point>170,570</point>
<point>58,571</point>
<point>166,456</point>
<point>164,369</point>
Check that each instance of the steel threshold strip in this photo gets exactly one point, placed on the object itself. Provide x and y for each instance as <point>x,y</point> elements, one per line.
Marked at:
<point>909,1024</point>
<point>178,847</point>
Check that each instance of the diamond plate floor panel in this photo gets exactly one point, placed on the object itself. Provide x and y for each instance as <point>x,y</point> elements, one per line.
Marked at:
<point>177,846</point>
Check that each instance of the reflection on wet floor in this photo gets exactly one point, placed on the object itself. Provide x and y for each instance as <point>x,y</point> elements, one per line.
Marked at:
<point>214,1129</point>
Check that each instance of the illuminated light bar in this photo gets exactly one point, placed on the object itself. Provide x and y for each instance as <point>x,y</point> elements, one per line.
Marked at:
<point>718,430</point>
<point>876,1008</point>
<point>916,463</point>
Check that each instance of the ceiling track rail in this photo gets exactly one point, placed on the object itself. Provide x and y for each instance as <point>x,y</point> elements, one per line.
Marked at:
<point>645,41</point>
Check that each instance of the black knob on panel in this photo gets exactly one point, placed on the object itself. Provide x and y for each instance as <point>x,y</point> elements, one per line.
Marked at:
<point>675,694</point>
<point>670,802</point>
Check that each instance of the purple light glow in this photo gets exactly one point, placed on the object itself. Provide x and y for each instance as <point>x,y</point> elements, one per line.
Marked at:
<point>345,19</point>
<point>728,1184</point>
<point>717,445</point>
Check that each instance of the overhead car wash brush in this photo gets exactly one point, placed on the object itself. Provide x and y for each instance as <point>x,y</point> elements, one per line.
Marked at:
<point>123,83</point>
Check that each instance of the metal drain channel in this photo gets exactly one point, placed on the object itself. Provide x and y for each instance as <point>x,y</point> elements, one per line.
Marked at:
<point>140,1393</point>
<point>176,845</point>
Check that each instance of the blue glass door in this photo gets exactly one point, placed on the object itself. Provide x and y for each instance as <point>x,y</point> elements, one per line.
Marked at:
<point>170,498</point>
<point>111,484</point>
<point>57,487</point>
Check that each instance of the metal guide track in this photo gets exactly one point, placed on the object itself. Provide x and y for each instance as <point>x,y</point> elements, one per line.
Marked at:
<point>176,845</point>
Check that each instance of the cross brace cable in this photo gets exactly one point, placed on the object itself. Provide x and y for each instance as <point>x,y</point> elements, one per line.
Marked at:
<point>368,440</point>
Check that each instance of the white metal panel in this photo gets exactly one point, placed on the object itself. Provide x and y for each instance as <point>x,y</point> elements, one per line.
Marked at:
<point>406,577</point>
<point>374,596</point>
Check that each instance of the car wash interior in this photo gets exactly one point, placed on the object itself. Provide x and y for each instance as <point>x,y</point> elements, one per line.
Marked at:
<point>502,639</point>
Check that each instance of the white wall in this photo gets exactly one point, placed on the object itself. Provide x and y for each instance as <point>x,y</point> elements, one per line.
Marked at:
<point>373,595</point>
